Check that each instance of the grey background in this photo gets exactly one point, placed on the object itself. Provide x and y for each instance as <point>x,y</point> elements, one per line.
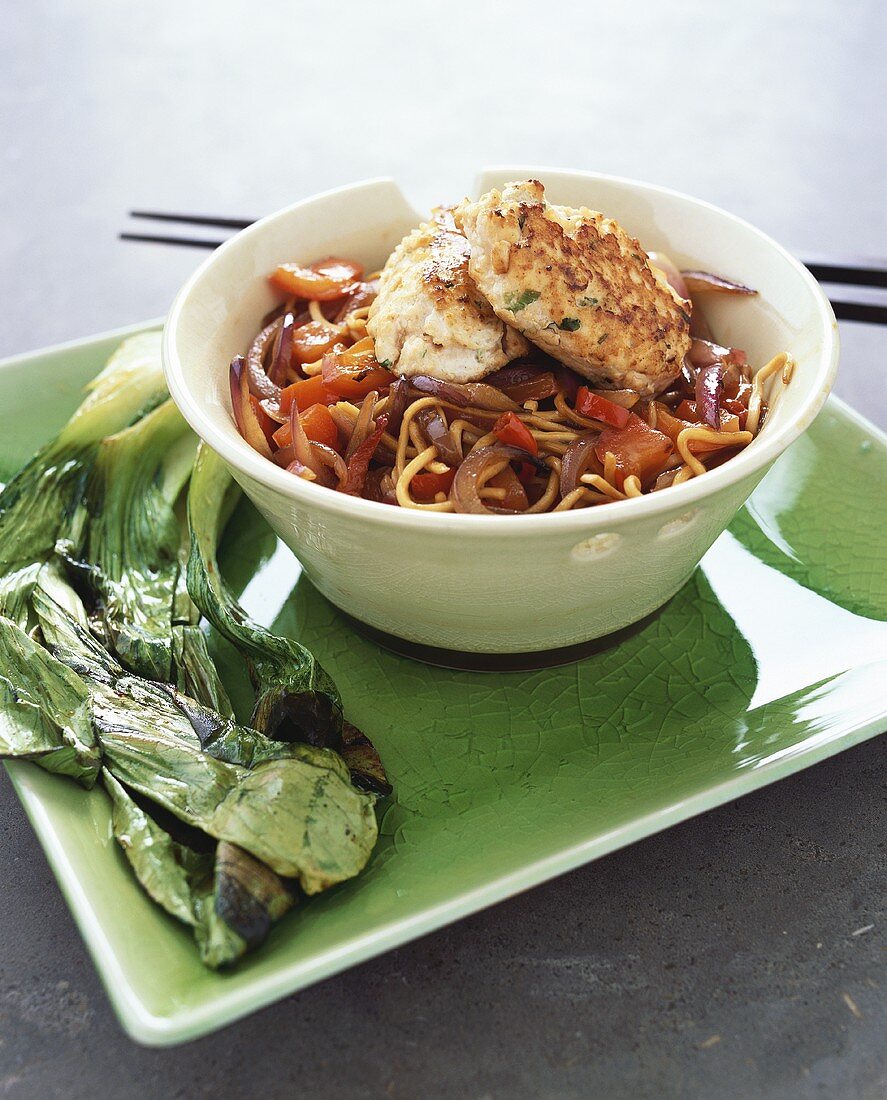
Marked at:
<point>710,961</point>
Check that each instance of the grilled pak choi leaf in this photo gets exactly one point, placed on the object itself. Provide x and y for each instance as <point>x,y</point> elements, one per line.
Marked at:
<point>229,899</point>
<point>104,673</point>
<point>296,699</point>
<point>125,539</point>
<point>37,504</point>
<point>292,806</point>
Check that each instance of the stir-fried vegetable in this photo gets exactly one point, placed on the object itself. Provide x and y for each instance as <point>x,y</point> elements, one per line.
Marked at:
<point>296,700</point>
<point>516,434</point>
<point>575,446</point>
<point>600,408</point>
<point>323,281</point>
<point>639,450</point>
<point>106,677</point>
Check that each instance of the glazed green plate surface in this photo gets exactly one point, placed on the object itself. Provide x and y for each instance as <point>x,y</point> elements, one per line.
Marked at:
<point>773,656</point>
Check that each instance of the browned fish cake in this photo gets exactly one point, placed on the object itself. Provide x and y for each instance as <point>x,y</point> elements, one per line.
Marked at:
<point>430,318</point>
<point>577,285</point>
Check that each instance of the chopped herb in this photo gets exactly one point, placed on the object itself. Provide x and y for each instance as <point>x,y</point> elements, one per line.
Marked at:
<point>386,363</point>
<point>569,324</point>
<point>521,301</point>
<point>684,314</point>
<point>590,302</point>
<point>602,337</point>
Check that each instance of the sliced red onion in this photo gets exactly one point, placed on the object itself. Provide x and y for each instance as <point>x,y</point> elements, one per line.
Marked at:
<point>462,395</point>
<point>301,470</point>
<point>688,377</point>
<point>334,468</point>
<point>398,399</point>
<point>697,281</point>
<point>301,442</point>
<point>669,270</point>
<point>272,408</point>
<point>379,486</point>
<point>515,374</point>
<point>576,460</point>
<point>284,354</point>
<point>363,294</point>
<point>709,390</point>
<point>259,382</point>
<point>469,479</point>
<point>363,425</point>
<point>665,480</point>
<point>434,429</point>
<point>703,353</point>
<point>568,383</point>
<point>359,462</point>
<point>244,415</point>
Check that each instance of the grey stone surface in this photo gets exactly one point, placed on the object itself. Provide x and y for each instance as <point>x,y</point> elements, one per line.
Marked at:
<point>715,960</point>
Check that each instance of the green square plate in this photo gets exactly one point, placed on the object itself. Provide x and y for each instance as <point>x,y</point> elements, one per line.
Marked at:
<point>772,657</point>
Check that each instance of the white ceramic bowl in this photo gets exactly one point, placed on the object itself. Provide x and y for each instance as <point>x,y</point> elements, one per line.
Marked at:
<point>494,584</point>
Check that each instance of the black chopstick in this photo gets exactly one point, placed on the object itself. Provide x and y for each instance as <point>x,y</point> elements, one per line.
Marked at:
<point>154,238</point>
<point>851,271</point>
<point>193,219</point>
<point>850,309</point>
<point>854,270</point>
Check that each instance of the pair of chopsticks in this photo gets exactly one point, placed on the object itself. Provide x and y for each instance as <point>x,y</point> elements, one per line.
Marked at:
<point>866,278</point>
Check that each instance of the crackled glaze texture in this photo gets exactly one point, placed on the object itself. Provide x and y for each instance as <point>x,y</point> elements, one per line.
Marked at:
<point>493,584</point>
<point>772,656</point>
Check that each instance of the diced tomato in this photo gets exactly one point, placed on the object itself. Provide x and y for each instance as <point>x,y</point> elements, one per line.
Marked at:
<point>317,424</point>
<point>668,423</point>
<point>426,486</point>
<point>686,417</point>
<point>738,409</point>
<point>268,426</point>
<point>323,281</point>
<point>639,449</point>
<point>354,372</point>
<point>306,392</point>
<point>599,408</point>
<point>515,433</point>
<point>312,340</point>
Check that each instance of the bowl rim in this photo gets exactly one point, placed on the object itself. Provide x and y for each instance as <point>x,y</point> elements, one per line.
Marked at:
<point>238,454</point>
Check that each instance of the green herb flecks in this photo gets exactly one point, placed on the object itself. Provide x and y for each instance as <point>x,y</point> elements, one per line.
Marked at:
<point>521,301</point>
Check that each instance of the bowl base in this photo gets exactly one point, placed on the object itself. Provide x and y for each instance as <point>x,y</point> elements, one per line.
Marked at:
<point>465,661</point>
